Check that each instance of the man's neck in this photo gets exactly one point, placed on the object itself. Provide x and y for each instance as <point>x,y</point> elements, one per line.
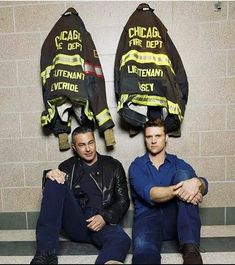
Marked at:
<point>90,163</point>
<point>158,159</point>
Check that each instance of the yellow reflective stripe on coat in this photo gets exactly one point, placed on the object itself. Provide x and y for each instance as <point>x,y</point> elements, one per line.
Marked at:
<point>103,117</point>
<point>150,100</point>
<point>72,60</point>
<point>144,100</point>
<point>146,57</point>
<point>123,99</point>
<point>174,108</point>
<point>46,119</point>
<point>87,111</point>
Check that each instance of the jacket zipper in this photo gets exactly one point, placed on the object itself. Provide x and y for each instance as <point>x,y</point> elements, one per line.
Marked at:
<point>71,181</point>
<point>96,183</point>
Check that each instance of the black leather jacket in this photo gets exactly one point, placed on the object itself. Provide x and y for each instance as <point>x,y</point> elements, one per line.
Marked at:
<point>110,178</point>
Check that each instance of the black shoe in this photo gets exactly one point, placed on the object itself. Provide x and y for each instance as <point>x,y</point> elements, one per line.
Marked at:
<point>191,254</point>
<point>44,258</point>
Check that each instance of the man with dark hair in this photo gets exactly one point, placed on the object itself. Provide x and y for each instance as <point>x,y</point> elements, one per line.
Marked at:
<point>87,196</point>
<point>166,192</point>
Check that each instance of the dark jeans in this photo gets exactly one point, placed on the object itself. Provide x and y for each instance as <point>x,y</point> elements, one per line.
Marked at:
<point>60,209</point>
<point>173,220</point>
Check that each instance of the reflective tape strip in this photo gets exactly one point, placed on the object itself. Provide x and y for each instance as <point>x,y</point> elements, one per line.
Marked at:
<point>69,124</point>
<point>98,71</point>
<point>57,101</point>
<point>93,69</point>
<point>87,111</point>
<point>123,99</point>
<point>174,108</point>
<point>72,60</point>
<point>150,100</point>
<point>46,119</point>
<point>103,117</point>
<point>89,68</point>
<point>146,57</point>
<point>144,100</point>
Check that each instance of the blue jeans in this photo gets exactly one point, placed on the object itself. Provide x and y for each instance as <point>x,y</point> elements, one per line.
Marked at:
<point>60,209</point>
<point>172,220</point>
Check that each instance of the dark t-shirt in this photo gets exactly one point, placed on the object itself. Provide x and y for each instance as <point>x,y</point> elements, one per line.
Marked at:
<point>89,186</point>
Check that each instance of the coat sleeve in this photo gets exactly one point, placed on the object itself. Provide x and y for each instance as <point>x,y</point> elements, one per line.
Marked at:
<point>120,51</point>
<point>95,84</point>
<point>113,213</point>
<point>180,74</point>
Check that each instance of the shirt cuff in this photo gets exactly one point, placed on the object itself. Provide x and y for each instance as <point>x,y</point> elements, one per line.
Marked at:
<point>147,194</point>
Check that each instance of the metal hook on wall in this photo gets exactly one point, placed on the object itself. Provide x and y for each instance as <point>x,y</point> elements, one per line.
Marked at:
<point>217,6</point>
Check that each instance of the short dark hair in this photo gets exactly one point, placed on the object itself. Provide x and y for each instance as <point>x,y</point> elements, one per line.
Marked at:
<point>81,129</point>
<point>155,123</point>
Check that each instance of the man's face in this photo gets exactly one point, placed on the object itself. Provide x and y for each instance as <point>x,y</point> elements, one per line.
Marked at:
<point>85,146</point>
<point>155,139</point>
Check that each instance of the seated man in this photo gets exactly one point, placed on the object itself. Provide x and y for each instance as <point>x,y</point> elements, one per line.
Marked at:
<point>166,193</point>
<point>87,197</point>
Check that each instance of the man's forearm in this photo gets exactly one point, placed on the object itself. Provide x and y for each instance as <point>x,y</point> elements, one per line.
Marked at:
<point>162,194</point>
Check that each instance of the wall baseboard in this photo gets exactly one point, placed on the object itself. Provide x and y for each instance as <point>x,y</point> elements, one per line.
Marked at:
<point>28,220</point>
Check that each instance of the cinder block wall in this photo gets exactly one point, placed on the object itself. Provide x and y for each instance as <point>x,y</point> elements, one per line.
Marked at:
<point>205,40</point>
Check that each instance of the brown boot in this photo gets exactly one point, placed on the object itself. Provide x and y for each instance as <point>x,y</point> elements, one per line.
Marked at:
<point>191,254</point>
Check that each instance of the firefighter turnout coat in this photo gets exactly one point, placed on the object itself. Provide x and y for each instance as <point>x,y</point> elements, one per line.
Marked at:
<point>71,73</point>
<point>148,70</point>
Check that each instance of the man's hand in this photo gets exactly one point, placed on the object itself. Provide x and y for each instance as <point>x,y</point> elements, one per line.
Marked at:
<point>96,222</point>
<point>197,199</point>
<point>57,175</point>
<point>189,190</point>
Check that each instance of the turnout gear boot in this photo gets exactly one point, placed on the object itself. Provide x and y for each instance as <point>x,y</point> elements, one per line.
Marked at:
<point>63,141</point>
<point>109,137</point>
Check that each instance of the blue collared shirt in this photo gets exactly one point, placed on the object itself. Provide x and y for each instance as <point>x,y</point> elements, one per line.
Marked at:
<point>143,176</point>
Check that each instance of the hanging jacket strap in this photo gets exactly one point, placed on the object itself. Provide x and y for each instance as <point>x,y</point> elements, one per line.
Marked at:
<point>70,11</point>
<point>144,7</point>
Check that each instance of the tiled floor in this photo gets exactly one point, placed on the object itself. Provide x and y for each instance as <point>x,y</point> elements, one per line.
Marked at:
<point>213,235</point>
<point>208,258</point>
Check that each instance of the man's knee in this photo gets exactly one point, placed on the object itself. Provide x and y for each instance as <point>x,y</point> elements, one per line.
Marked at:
<point>53,187</point>
<point>182,175</point>
<point>50,184</point>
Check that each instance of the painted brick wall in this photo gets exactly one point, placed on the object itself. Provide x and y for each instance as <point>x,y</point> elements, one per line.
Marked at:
<point>205,40</point>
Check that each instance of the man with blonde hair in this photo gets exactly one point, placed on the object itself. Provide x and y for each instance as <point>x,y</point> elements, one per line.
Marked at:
<point>166,193</point>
